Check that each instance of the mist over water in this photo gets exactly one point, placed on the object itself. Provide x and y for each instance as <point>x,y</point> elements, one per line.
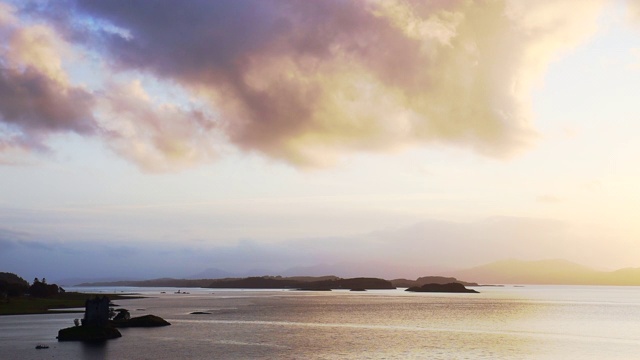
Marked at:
<point>533,322</point>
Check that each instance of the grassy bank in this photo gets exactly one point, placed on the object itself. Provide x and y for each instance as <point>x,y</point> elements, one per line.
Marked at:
<point>28,305</point>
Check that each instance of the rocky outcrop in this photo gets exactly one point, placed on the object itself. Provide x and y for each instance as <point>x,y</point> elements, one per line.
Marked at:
<point>88,333</point>
<point>442,288</point>
<point>141,321</point>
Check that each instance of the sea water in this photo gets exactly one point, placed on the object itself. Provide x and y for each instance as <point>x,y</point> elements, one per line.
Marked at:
<point>531,322</point>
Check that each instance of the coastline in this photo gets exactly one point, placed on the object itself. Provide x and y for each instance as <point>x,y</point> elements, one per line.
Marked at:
<point>25,305</point>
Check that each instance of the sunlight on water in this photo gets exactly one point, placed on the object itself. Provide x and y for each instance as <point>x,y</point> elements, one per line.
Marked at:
<point>500,323</point>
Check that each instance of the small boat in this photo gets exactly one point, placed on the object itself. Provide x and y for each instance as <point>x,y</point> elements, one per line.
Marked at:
<point>42,347</point>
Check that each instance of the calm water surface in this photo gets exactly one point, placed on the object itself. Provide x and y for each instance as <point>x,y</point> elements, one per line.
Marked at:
<point>532,322</point>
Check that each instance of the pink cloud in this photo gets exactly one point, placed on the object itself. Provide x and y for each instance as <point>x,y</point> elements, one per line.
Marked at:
<point>308,82</point>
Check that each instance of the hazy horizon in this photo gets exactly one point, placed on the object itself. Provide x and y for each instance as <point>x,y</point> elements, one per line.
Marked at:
<point>386,137</point>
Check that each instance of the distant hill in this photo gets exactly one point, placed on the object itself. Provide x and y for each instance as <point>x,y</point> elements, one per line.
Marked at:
<point>84,280</point>
<point>250,282</point>
<point>11,278</point>
<point>312,278</point>
<point>627,276</point>
<point>301,282</point>
<point>12,285</point>
<point>263,282</point>
<point>212,273</point>
<point>429,280</point>
<point>559,272</point>
<point>552,272</point>
<point>163,282</point>
<point>360,283</point>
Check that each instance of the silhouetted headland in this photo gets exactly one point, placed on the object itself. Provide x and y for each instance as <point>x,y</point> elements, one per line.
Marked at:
<point>361,284</point>
<point>269,282</point>
<point>310,283</point>
<point>429,280</point>
<point>442,288</point>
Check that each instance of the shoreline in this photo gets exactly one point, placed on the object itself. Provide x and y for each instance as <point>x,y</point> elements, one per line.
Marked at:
<point>25,305</point>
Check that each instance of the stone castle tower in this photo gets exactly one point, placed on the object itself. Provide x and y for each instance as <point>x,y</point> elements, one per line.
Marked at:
<point>96,312</point>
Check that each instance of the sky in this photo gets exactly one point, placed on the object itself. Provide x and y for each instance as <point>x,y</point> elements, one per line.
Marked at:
<point>373,138</point>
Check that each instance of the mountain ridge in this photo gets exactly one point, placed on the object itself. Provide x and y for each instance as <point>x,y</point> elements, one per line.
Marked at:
<point>546,272</point>
<point>508,271</point>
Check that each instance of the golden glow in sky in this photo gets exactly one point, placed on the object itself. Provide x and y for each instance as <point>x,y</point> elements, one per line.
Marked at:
<point>276,134</point>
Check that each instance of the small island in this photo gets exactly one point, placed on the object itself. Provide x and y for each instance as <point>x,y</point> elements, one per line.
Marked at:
<point>96,325</point>
<point>140,321</point>
<point>442,288</point>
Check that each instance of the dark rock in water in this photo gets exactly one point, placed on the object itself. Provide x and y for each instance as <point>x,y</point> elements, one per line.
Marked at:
<point>88,333</point>
<point>200,313</point>
<point>442,288</point>
<point>141,321</point>
<point>123,314</point>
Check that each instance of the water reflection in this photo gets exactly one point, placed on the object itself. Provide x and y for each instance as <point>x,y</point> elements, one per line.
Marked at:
<point>94,350</point>
<point>535,323</point>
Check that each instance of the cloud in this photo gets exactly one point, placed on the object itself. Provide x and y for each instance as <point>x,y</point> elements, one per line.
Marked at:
<point>307,82</point>
<point>36,99</point>
<point>157,137</point>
